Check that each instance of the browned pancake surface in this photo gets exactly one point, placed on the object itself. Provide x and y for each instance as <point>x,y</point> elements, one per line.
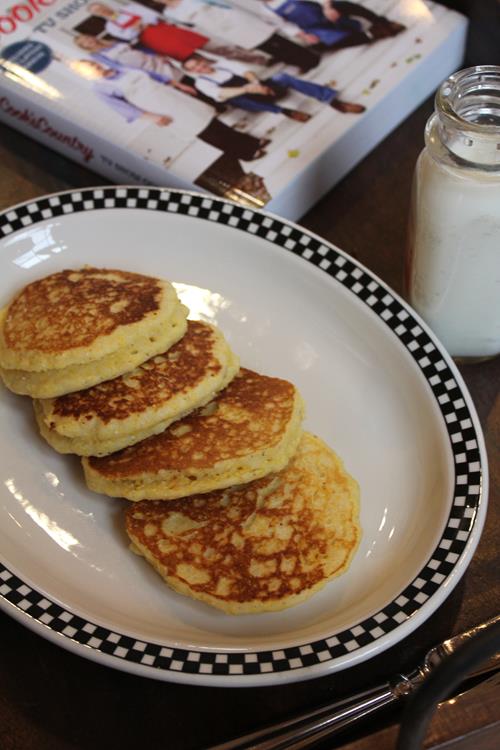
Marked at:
<point>74,308</point>
<point>265,542</point>
<point>252,413</point>
<point>150,385</point>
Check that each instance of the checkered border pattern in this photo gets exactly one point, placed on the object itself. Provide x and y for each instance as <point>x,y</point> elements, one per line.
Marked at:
<point>456,415</point>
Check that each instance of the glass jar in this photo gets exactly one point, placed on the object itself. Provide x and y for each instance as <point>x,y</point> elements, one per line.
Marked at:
<point>453,261</point>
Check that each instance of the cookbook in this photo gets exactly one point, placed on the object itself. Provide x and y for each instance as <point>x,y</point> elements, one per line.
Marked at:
<point>267,102</point>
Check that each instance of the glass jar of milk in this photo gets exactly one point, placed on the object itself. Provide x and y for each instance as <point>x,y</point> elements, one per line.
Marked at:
<point>453,263</point>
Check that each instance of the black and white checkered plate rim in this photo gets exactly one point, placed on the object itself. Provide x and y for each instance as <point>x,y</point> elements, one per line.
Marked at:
<point>465,441</point>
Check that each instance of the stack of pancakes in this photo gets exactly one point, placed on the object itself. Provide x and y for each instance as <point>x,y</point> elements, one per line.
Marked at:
<point>233,503</point>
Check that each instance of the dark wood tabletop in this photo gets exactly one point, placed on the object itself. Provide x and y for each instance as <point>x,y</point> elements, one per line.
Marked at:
<point>51,699</point>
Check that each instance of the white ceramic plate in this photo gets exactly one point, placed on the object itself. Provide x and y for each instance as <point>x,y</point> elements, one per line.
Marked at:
<point>378,387</point>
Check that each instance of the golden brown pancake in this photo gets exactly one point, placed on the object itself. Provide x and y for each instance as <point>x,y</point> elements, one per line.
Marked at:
<point>250,429</point>
<point>74,329</point>
<point>259,547</point>
<point>57,382</point>
<point>125,410</point>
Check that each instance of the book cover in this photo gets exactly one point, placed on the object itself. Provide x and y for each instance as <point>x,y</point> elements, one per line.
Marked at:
<point>267,102</point>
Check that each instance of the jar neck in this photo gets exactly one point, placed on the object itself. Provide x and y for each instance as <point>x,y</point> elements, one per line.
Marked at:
<point>465,127</point>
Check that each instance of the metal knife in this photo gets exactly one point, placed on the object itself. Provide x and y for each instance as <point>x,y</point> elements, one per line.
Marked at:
<point>305,729</point>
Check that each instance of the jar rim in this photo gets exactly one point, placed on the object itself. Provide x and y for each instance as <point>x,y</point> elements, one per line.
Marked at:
<point>443,102</point>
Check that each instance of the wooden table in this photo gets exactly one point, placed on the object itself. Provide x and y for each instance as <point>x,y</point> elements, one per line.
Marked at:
<point>51,699</point>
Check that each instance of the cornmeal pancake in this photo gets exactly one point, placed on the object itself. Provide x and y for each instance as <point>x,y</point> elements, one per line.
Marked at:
<point>125,410</point>
<point>57,382</point>
<point>260,547</point>
<point>96,322</point>
<point>250,429</point>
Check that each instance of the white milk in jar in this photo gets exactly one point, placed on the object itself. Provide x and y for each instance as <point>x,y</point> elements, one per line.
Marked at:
<point>454,233</point>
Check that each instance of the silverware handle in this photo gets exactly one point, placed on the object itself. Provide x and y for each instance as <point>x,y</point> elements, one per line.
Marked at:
<point>304,730</point>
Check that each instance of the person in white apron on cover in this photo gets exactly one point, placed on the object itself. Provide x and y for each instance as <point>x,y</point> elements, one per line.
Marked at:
<point>221,19</point>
